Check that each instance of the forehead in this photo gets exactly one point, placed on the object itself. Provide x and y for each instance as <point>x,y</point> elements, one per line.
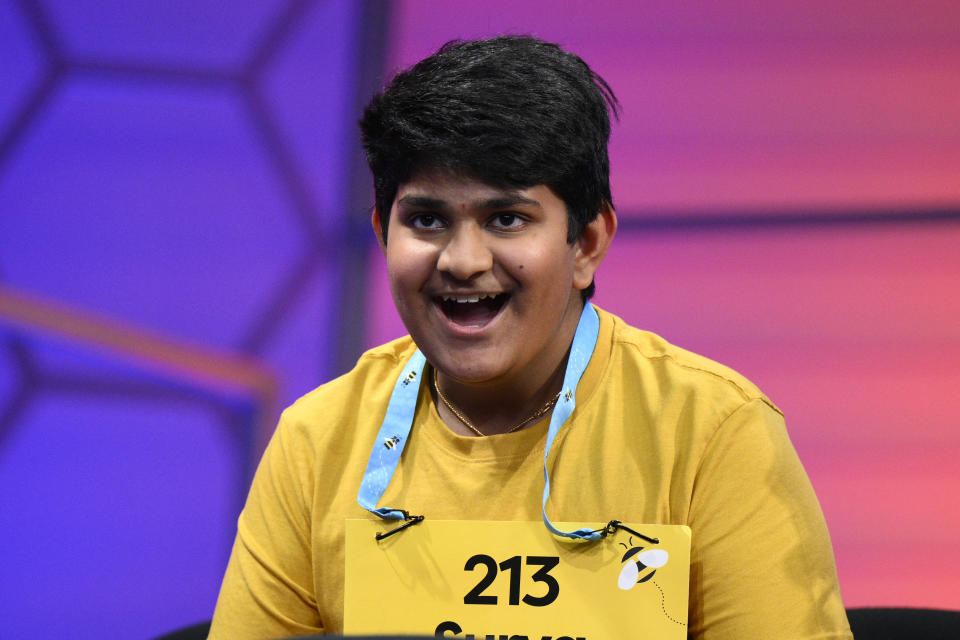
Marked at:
<point>450,187</point>
<point>446,190</point>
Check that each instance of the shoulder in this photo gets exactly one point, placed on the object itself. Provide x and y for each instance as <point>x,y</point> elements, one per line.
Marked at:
<point>351,400</point>
<point>369,374</point>
<point>665,369</point>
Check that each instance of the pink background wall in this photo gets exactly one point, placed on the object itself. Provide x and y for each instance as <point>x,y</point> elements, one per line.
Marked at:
<point>771,109</point>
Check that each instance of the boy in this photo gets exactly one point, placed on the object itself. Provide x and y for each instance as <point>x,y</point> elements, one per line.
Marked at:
<point>494,210</point>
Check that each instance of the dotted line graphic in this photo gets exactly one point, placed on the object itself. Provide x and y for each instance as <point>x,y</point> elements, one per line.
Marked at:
<point>663,607</point>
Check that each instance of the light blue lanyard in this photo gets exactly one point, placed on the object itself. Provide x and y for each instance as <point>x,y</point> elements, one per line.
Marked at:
<point>396,426</point>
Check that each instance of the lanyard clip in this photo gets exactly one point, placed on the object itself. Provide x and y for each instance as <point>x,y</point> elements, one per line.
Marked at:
<point>410,521</point>
<point>613,525</point>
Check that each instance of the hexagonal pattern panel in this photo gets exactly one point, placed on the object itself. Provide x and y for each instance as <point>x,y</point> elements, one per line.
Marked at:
<point>151,204</point>
<point>152,179</point>
<point>103,499</point>
<point>176,32</point>
<point>296,88</point>
<point>10,372</point>
<point>23,63</point>
<point>306,363</point>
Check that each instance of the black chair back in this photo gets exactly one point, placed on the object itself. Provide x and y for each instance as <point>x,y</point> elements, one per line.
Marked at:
<point>886,623</point>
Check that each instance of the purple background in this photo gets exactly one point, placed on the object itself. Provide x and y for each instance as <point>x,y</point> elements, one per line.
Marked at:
<point>185,171</point>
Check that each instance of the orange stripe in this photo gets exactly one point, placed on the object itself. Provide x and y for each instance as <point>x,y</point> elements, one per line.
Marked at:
<point>203,366</point>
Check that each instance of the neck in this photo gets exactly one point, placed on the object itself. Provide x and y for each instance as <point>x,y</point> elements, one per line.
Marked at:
<point>498,406</point>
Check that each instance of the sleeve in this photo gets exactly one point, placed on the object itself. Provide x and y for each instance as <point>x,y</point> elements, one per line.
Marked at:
<point>761,564</point>
<point>267,590</point>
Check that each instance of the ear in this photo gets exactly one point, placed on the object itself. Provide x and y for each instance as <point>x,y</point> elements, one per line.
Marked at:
<point>377,229</point>
<point>592,245</point>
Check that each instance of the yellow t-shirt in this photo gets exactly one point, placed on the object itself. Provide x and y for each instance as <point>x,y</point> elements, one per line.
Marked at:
<point>659,435</point>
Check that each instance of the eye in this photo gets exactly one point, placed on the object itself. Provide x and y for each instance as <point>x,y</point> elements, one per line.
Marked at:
<point>426,221</point>
<point>507,221</point>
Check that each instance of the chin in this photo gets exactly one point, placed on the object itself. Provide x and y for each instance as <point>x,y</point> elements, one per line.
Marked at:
<point>466,368</point>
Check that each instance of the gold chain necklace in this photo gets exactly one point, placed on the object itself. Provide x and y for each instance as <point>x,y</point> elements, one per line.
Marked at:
<point>462,418</point>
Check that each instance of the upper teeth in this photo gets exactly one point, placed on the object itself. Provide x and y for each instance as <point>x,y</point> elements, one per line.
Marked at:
<point>470,298</point>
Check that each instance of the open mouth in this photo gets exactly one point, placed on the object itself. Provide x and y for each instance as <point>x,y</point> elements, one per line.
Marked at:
<point>474,310</point>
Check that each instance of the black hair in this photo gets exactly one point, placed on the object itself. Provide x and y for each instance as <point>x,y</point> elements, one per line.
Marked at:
<point>512,111</point>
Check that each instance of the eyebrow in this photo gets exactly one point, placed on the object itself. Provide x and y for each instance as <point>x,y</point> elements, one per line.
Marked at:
<point>500,202</point>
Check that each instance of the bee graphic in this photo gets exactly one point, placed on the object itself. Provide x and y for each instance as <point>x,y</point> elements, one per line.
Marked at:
<point>639,565</point>
<point>390,443</point>
<point>410,378</point>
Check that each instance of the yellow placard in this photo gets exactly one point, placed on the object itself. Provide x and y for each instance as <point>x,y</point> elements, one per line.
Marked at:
<point>516,581</point>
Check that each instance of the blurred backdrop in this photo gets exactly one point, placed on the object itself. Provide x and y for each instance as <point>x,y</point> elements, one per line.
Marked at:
<point>184,249</point>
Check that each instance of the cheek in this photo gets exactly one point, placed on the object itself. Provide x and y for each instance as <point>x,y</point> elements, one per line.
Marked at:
<point>541,266</point>
<point>408,267</point>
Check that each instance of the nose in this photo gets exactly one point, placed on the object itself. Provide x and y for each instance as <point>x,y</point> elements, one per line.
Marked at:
<point>466,253</point>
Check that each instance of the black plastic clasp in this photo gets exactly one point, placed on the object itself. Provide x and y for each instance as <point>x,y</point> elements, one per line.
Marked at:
<point>613,525</point>
<point>409,522</point>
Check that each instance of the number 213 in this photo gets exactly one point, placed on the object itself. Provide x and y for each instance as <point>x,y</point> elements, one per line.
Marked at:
<point>512,565</point>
